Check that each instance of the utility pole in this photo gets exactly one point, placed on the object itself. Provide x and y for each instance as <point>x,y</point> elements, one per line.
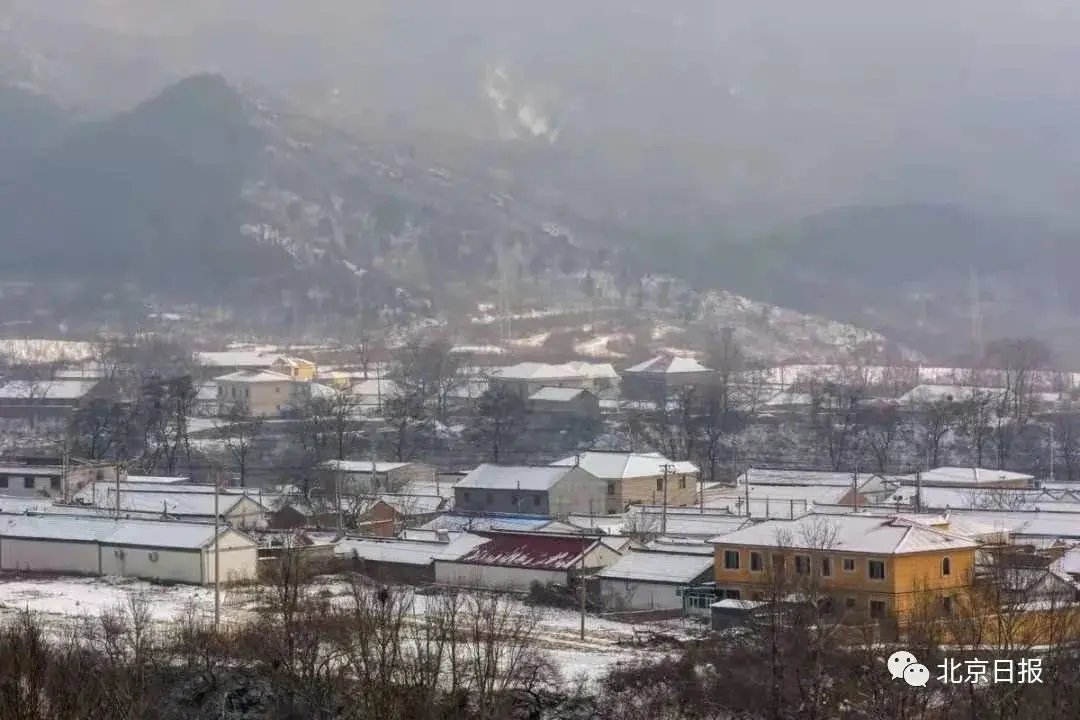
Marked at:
<point>667,468</point>
<point>748,514</point>
<point>217,554</point>
<point>118,465</point>
<point>64,471</point>
<point>1052,458</point>
<point>918,492</point>
<point>581,583</point>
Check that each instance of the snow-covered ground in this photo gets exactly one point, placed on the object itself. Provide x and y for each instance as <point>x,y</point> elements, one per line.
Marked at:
<point>60,599</point>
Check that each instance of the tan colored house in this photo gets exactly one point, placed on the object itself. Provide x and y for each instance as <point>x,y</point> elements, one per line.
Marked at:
<point>295,368</point>
<point>262,393</point>
<point>638,478</point>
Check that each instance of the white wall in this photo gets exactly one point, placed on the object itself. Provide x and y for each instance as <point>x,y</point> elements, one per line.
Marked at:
<point>49,556</point>
<point>171,565</point>
<point>494,578</point>
<point>622,595</point>
<point>239,558</point>
<point>247,514</point>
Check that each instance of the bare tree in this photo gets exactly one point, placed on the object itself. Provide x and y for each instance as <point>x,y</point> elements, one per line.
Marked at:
<point>240,432</point>
<point>834,416</point>
<point>499,423</point>
<point>931,423</point>
<point>882,426</point>
<point>1066,428</point>
<point>1018,361</point>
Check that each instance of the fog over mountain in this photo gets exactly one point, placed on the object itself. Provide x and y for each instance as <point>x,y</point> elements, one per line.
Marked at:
<point>705,128</point>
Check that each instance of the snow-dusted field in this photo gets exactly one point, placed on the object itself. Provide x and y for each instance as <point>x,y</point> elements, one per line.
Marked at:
<point>56,600</point>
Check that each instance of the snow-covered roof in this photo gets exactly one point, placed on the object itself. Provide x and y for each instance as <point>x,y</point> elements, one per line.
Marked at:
<point>414,504</point>
<point>949,393</point>
<point>847,533</point>
<point>193,504</point>
<point>794,477</point>
<point>511,477</point>
<point>159,480</point>
<point>524,523</point>
<point>539,552</point>
<point>105,490</point>
<point>680,546</point>
<point>668,365</point>
<point>375,388</point>
<point>659,567</point>
<point>536,371</point>
<point>556,394</point>
<point>595,371</point>
<point>408,552</point>
<point>363,466</point>
<point>683,525</point>
<point>1063,525</point>
<point>964,476</point>
<point>140,533</point>
<point>44,390</point>
<point>619,465</point>
<point>236,359</point>
<point>254,376</point>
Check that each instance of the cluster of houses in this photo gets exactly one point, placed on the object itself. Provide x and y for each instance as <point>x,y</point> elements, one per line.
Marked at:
<point>636,533</point>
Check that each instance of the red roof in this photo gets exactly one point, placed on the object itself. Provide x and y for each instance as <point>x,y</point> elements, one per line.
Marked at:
<point>542,552</point>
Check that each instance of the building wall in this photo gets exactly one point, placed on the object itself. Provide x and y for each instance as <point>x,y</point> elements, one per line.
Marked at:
<point>247,514</point>
<point>169,565</point>
<point>578,492</point>
<point>514,501</point>
<point>634,595</point>
<point>263,399</point>
<point>495,578</point>
<point>681,490</point>
<point>910,580</point>
<point>49,556</point>
<point>239,558</point>
<point>303,370</point>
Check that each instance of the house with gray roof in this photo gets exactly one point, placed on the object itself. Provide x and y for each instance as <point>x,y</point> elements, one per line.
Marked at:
<point>537,490</point>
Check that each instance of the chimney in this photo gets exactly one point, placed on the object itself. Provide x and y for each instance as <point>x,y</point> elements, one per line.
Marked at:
<point>442,535</point>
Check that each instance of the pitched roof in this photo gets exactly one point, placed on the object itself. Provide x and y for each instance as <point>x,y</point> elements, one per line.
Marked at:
<point>596,371</point>
<point>668,365</point>
<point>408,552</point>
<point>848,533</point>
<point>659,567</point>
<point>44,390</point>
<point>142,533</point>
<point>511,477</point>
<point>254,376</point>
<point>539,552</point>
<point>519,523</point>
<point>964,476</point>
<point>536,371</point>
<point>236,358</point>
<point>557,394</point>
<point>363,466</point>
<point>618,465</point>
<point>197,504</point>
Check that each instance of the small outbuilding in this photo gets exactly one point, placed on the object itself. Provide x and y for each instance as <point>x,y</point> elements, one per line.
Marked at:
<point>649,580</point>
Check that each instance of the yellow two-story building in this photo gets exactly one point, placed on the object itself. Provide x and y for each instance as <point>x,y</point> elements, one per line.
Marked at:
<point>857,566</point>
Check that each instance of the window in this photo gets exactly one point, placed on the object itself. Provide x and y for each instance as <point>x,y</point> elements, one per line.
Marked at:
<point>732,595</point>
<point>659,483</point>
<point>876,569</point>
<point>778,564</point>
<point>465,495</point>
<point>826,567</point>
<point>611,488</point>
<point>233,389</point>
<point>825,606</point>
<point>731,559</point>
<point>515,499</point>
<point>877,608</point>
<point>682,482</point>
<point>802,564</point>
<point>700,602</point>
<point>54,484</point>
<point>851,603</point>
<point>946,604</point>
<point>757,563</point>
<point>849,564</point>
<point>757,597</point>
<point>3,482</point>
<point>946,567</point>
<point>536,501</point>
<point>277,388</point>
<point>28,483</point>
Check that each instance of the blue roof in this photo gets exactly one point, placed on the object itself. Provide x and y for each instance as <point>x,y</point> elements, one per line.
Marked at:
<point>487,521</point>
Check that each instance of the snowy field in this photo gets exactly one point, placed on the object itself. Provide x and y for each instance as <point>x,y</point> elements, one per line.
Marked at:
<point>57,600</point>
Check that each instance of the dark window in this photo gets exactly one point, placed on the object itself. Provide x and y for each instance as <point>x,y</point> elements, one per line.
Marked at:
<point>876,569</point>
<point>946,567</point>
<point>536,501</point>
<point>826,567</point>
<point>851,603</point>
<point>611,488</point>
<point>877,608</point>
<point>731,559</point>
<point>659,483</point>
<point>515,499</point>
<point>849,564</point>
<point>802,564</point>
<point>732,595</point>
<point>825,606</point>
<point>54,483</point>
<point>28,483</point>
<point>778,564</point>
<point>946,604</point>
<point>756,562</point>
<point>682,482</point>
<point>465,495</point>
<point>3,481</point>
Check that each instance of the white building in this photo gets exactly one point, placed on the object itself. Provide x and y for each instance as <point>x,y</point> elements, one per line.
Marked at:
<point>647,580</point>
<point>238,510</point>
<point>145,549</point>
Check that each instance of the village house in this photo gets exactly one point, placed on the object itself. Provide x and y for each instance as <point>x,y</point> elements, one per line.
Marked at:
<point>632,478</point>
<point>659,376</point>
<point>409,561</point>
<point>514,561</point>
<point>34,401</point>
<point>216,364</point>
<point>558,408</point>
<point>356,477</point>
<point>527,378</point>
<point>150,550</point>
<point>258,393</point>
<point>540,490</point>
<point>651,580</point>
<point>865,567</point>
<point>238,510</point>
<point>295,368</point>
<point>54,480</point>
